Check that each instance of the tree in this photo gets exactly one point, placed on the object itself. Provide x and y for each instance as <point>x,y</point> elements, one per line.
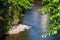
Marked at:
<point>52,7</point>
<point>13,9</point>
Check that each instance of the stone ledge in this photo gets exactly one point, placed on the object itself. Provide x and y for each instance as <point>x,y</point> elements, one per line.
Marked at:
<point>17,29</point>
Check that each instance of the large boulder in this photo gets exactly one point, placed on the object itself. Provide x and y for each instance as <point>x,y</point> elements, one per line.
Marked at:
<point>17,29</point>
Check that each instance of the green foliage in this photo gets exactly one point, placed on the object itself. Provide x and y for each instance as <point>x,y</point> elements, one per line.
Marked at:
<point>44,35</point>
<point>13,9</point>
<point>53,7</point>
<point>24,3</point>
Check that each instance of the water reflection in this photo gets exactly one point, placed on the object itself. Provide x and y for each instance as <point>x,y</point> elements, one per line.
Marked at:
<point>21,36</point>
<point>33,18</point>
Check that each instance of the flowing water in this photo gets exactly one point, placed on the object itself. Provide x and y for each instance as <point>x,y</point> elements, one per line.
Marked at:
<point>32,18</point>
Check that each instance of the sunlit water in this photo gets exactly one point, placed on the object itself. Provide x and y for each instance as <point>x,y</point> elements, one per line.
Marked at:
<point>32,18</point>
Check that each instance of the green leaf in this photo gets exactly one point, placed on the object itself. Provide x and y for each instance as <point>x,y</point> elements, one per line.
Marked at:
<point>55,32</point>
<point>44,35</point>
<point>55,1</point>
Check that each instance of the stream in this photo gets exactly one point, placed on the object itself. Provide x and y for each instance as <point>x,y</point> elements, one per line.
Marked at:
<point>32,18</point>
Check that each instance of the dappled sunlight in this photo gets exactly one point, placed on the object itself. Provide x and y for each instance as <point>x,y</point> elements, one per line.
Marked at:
<point>17,29</point>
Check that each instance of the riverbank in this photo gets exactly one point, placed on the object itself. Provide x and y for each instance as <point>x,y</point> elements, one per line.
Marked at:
<point>17,29</point>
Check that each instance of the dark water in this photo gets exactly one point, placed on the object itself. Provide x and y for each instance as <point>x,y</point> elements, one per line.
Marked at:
<point>32,18</point>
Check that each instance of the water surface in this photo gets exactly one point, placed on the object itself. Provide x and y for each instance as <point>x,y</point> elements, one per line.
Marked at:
<point>33,18</point>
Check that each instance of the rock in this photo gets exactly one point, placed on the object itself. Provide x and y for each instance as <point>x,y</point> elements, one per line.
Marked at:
<point>17,29</point>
